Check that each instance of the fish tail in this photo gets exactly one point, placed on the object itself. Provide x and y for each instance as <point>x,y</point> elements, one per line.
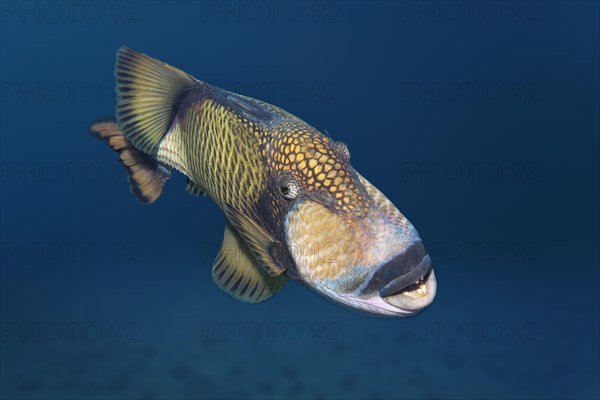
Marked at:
<point>146,176</point>
<point>148,91</point>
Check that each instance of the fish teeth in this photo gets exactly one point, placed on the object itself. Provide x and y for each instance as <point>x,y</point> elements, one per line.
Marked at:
<point>419,292</point>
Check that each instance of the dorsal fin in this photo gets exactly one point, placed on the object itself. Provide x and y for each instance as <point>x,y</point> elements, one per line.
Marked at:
<point>237,272</point>
<point>147,94</point>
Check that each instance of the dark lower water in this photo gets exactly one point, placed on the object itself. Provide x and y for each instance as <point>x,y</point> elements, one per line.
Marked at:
<point>480,121</point>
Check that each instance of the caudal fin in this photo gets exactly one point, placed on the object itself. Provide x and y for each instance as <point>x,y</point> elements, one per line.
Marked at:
<point>147,94</point>
<point>146,177</point>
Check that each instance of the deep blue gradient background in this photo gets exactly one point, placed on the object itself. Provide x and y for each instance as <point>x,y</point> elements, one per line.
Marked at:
<point>102,297</point>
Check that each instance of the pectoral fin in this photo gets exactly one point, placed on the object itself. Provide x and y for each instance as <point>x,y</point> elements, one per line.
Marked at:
<point>193,188</point>
<point>258,239</point>
<point>237,272</point>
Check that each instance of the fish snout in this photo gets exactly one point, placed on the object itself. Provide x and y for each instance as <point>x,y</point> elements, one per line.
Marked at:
<point>380,264</point>
<point>406,281</point>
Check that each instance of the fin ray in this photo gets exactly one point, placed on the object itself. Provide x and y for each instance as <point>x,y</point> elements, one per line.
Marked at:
<point>146,176</point>
<point>193,188</point>
<point>237,272</point>
<point>257,238</point>
<point>147,94</point>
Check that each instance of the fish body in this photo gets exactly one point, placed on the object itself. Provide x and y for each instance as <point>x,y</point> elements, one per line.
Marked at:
<point>294,206</point>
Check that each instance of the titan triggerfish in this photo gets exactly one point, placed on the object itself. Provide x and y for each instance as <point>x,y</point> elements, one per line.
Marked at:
<point>294,206</point>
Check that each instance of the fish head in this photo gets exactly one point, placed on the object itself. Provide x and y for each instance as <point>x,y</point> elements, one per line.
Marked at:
<point>347,240</point>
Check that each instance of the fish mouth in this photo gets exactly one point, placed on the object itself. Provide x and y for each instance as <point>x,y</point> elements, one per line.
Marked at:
<point>398,288</point>
<point>402,296</point>
<point>414,291</point>
<point>406,284</point>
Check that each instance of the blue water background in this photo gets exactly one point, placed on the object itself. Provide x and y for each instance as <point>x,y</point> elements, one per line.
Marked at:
<point>480,122</point>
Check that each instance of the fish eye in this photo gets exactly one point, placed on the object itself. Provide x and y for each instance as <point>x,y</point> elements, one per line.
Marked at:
<point>343,149</point>
<point>288,187</point>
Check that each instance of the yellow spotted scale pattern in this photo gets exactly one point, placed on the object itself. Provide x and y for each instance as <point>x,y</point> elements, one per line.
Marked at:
<point>319,165</point>
<point>231,156</point>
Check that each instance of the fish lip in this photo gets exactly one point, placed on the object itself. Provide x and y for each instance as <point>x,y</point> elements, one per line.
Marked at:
<point>396,285</point>
<point>409,306</point>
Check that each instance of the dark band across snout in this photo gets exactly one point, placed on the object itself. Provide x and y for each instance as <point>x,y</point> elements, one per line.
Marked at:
<point>403,281</point>
<point>401,271</point>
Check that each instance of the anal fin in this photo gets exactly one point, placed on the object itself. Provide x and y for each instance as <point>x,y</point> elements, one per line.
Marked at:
<point>237,272</point>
